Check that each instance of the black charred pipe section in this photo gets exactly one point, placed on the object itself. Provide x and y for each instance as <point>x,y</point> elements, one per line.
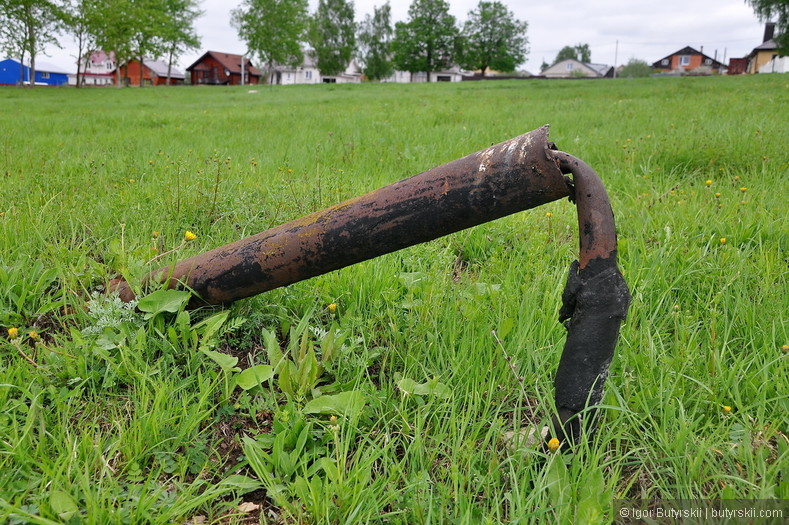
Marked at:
<point>594,304</point>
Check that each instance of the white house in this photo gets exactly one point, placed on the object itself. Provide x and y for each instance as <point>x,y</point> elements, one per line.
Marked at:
<point>96,69</point>
<point>453,74</point>
<point>308,73</point>
<point>572,68</point>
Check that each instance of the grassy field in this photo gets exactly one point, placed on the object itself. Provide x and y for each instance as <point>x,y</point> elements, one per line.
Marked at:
<point>157,415</point>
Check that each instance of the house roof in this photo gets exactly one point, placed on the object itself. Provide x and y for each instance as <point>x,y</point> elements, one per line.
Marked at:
<point>160,68</point>
<point>44,67</point>
<point>100,56</point>
<point>687,50</point>
<point>602,69</point>
<point>559,69</point>
<point>769,45</point>
<point>229,61</point>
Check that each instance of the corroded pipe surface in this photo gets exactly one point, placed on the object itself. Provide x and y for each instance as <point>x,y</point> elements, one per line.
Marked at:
<point>594,304</point>
<point>503,179</point>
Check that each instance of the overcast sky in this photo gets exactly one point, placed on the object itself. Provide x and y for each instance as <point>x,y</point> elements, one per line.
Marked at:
<point>645,29</point>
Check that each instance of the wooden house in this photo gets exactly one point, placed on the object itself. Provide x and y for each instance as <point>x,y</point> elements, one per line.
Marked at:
<point>215,68</point>
<point>150,73</point>
<point>687,60</point>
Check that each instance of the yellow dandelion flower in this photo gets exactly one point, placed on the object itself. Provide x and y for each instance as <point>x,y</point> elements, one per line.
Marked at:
<point>189,236</point>
<point>155,234</point>
<point>32,334</point>
<point>549,215</point>
<point>13,333</point>
<point>553,444</point>
<point>717,195</point>
<point>132,181</point>
<point>785,348</point>
<point>743,189</point>
<point>332,307</point>
<point>726,409</point>
<point>708,182</point>
<point>723,240</point>
<point>290,170</point>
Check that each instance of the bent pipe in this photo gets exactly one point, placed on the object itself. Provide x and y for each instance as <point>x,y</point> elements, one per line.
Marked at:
<point>512,176</point>
<point>594,304</point>
<point>515,175</point>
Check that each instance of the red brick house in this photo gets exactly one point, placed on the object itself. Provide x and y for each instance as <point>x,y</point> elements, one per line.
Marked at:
<point>154,73</point>
<point>215,68</point>
<point>686,60</point>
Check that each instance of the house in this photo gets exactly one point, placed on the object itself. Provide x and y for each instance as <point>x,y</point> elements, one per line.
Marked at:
<point>308,73</point>
<point>216,68</point>
<point>154,73</point>
<point>452,74</point>
<point>12,73</point>
<point>765,57</point>
<point>97,68</point>
<point>572,68</point>
<point>688,60</point>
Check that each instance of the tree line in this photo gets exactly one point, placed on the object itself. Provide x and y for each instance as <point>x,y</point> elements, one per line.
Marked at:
<point>131,29</point>
<point>275,32</point>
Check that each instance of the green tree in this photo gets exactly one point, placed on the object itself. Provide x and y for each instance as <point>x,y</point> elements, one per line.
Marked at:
<point>80,24</point>
<point>635,68</point>
<point>114,26</point>
<point>493,38</point>
<point>427,41</point>
<point>332,35</point>
<point>179,33</point>
<point>273,30</point>
<point>579,52</point>
<point>778,11</point>
<point>375,43</point>
<point>28,26</point>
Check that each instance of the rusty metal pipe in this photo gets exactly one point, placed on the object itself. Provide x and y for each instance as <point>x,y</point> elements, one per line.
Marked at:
<point>594,304</point>
<point>515,175</point>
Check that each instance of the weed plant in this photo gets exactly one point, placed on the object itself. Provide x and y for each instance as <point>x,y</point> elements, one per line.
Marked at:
<point>378,393</point>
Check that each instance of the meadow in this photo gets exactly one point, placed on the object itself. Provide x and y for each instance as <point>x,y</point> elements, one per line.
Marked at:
<point>378,393</point>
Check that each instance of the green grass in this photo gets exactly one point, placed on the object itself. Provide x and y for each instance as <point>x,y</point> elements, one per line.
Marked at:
<point>113,418</point>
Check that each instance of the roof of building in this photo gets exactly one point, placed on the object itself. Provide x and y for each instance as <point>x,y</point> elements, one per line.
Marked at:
<point>769,45</point>
<point>160,68</point>
<point>44,67</point>
<point>229,61</point>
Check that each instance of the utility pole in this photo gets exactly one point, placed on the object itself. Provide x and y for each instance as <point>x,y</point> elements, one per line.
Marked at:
<point>616,56</point>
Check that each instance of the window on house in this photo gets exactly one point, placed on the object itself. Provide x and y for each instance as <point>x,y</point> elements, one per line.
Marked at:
<point>684,60</point>
<point>664,62</point>
<point>443,78</point>
<point>44,74</point>
<point>308,75</point>
<point>707,61</point>
<point>569,66</point>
